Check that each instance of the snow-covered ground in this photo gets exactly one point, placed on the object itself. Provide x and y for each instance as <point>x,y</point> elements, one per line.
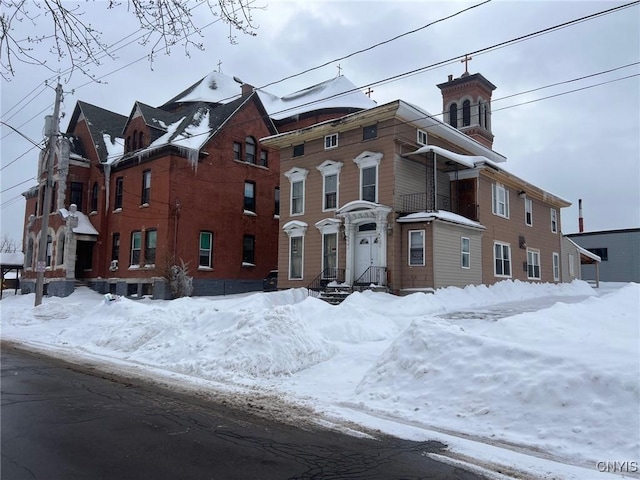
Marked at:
<point>533,380</point>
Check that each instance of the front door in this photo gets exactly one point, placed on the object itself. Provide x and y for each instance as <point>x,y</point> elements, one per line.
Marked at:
<point>366,255</point>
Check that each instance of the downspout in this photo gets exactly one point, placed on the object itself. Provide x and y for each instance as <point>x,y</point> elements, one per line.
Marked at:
<point>175,231</point>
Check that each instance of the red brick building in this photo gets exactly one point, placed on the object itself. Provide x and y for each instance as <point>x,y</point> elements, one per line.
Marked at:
<point>187,182</point>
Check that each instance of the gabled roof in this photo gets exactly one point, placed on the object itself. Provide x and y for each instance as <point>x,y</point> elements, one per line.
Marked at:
<point>196,124</point>
<point>214,88</point>
<point>100,122</point>
<point>153,117</point>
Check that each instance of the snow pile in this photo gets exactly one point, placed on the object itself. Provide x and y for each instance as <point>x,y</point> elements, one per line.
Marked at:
<point>505,365</point>
<point>562,381</point>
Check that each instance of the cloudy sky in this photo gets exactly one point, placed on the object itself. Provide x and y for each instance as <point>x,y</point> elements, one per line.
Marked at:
<point>576,138</point>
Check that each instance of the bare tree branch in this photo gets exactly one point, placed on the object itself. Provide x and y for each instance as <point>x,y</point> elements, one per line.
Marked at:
<point>77,44</point>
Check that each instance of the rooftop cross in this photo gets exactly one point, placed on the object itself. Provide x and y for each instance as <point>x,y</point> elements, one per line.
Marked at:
<point>219,63</point>
<point>339,69</point>
<point>466,60</point>
<point>369,92</point>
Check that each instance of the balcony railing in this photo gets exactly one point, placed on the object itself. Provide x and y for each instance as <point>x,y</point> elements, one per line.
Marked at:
<point>417,202</point>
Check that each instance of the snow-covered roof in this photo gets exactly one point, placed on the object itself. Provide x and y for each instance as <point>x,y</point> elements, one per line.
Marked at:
<point>114,146</point>
<point>214,88</point>
<point>338,92</point>
<point>584,251</point>
<point>469,161</point>
<point>11,259</point>
<point>478,161</point>
<point>84,225</point>
<point>440,215</point>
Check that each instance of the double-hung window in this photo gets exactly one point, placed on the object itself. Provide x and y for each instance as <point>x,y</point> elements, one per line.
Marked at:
<point>136,244</point>
<point>276,202</point>
<point>250,150</point>
<point>329,254</point>
<point>500,200</point>
<point>416,248</point>
<point>368,163</point>
<point>250,197</point>
<point>295,257</point>
<point>205,255</point>
<point>465,252</point>
<point>151,238</point>
<point>528,211</point>
<point>533,264</point>
<point>237,151</point>
<point>119,193</point>
<point>502,259</point>
<point>330,171</point>
<point>146,187</point>
<point>554,220</point>
<point>115,247</point>
<point>556,266</point>
<point>297,177</point>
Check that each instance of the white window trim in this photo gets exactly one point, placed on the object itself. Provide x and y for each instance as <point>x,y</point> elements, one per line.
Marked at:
<point>502,275</point>
<point>572,260</point>
<point>462,252</point>
<point>556,266</point>
<point>423,248</point>
<point>324,234</point>
<point>528,207</point>
<point>554,220</point>
<point>333,136</point>
<point>495,188</point>
<point>296,174</point>
<point>293,229</point>
<point>420,133</point>
<point>328,168</point>
<point>536,253</point>
<point>365,160</point>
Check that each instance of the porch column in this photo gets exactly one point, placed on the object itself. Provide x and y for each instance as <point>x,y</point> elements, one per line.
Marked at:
<point>349,232</point>
<point>381,230</point>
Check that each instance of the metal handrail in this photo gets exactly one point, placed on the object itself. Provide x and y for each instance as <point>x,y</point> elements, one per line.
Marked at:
<point>375,275</point>
<point>325,277</point>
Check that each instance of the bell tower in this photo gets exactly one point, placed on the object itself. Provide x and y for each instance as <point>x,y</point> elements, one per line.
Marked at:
<point>466,103</point>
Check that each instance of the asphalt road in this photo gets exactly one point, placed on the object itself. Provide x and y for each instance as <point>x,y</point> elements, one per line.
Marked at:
<point>61,421</point>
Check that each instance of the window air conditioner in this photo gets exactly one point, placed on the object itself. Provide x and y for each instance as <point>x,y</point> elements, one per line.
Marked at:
<point>114,265</point>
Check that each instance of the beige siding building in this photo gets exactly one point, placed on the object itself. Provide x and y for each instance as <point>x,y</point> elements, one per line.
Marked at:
<point>393,197</point>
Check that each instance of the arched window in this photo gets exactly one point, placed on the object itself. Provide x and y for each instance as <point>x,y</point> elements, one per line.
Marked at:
<point>140,140</point>
<point>134,140</point>
<point>127,144</point>
<point>453,115</point>
<point>60,248</point>
<point>481,114</point>
<point>250,150</point>
<point>466,113</point>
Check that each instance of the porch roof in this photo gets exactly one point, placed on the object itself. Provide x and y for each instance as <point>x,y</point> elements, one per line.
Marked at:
<point>585,255</point>
<point>84,225</point>
<point>442,215</point>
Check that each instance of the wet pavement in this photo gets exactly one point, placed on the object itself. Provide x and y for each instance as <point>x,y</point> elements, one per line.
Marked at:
<point>63,421</point>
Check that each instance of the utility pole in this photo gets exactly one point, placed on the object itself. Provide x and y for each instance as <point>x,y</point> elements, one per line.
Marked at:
<point>53,134</point>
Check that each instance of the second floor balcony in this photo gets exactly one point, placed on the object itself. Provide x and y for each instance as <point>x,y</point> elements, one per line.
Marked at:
<point>421,202</point>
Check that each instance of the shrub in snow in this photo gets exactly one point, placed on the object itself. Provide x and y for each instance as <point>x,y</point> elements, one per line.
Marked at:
<point>180,282</point>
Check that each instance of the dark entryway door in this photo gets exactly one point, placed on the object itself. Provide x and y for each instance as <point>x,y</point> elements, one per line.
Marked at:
<point>467,198</point>
<point>84,258</point>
